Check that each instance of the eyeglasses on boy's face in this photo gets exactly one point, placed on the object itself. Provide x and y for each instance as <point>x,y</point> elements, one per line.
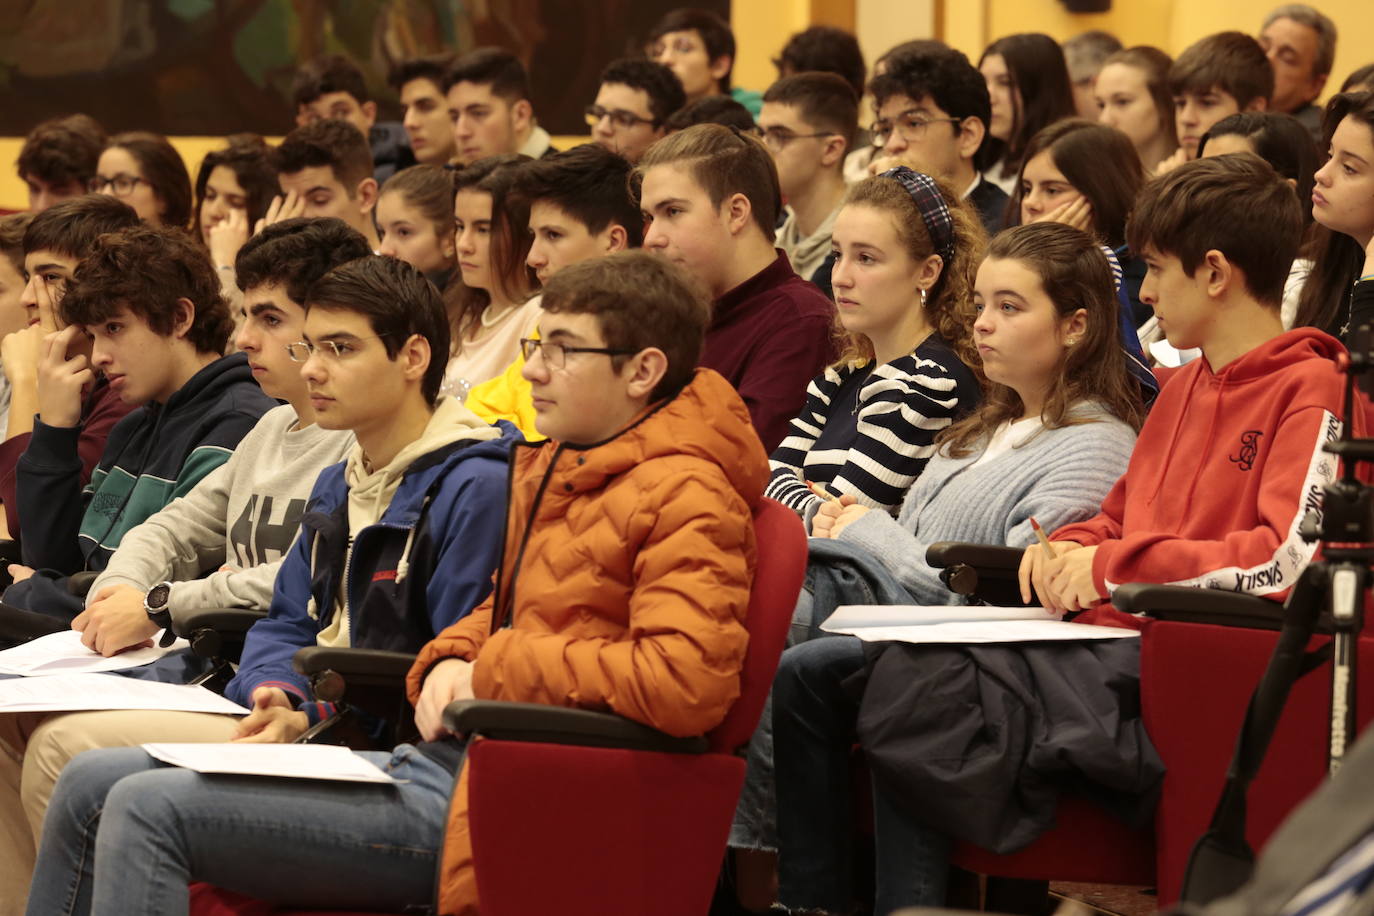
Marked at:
<point>334,350</point>
<point>619,117</point>
<point>911,125</point>
<point>123,184</point>
<point>777,138</point>
<point>556,354</point>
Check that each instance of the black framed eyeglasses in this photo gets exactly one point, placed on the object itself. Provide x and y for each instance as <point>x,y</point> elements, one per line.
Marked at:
<point>911,125</point>
<point>556,354</point>
<point>123,184</point>
<point>619,117</point>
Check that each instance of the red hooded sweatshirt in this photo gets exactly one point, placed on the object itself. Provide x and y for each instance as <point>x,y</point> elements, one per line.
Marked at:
<point>1225,468</point>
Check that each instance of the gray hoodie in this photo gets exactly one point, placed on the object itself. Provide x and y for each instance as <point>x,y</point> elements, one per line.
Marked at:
<point>240,520</point>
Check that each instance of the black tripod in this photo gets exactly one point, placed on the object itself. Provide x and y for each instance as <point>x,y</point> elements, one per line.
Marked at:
<point>1328,597</point>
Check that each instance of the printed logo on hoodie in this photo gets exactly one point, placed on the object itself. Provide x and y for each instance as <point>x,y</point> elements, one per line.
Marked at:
<point>1249,449</point>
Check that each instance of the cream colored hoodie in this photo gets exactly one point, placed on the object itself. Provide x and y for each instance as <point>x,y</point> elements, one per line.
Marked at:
<point>370,492</point>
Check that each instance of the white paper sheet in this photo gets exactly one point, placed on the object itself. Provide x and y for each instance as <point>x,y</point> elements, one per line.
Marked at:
<point>848,616</point>
<point>985,631</point>
<point>291,761</point>
<point>68,692</point>
<point>62,653</point>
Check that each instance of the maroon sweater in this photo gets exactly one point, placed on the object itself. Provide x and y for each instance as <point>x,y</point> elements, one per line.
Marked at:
<point>101,409</point>
<point>770,336</point>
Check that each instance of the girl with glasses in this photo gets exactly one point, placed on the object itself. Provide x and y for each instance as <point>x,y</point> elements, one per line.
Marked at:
<point>147,173</point>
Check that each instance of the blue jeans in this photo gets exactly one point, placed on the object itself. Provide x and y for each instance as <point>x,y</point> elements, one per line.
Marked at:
<point>125,834</point>
<point>813,733</point>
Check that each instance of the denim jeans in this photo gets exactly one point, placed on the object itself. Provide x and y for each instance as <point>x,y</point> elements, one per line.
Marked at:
<point>125,834</point>
<point>756,813</point>
<point>813,733</point>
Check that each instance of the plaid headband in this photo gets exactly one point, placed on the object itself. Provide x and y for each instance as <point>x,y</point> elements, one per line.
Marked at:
<point>925,193</point>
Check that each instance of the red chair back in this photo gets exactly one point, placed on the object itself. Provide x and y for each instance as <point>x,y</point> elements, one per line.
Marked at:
<point>778,578</point>
<point>628,832</point>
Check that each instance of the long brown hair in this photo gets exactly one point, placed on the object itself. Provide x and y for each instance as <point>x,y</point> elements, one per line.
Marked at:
<point>510,242</point>
<point>1041,94</point>
<point>1074,274</point>
<point>1100,162</point>
<point>949,303</point>
<point>1154,64</point>
<point>163,169</point>
<point>1336,256</point>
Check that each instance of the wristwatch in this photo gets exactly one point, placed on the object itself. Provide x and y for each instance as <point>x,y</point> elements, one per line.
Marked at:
<point>155,605</point>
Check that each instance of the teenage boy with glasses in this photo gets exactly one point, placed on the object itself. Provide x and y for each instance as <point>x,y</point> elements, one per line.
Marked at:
<point>933,110</point>
<point>808,123</point>
<point>631,108</point>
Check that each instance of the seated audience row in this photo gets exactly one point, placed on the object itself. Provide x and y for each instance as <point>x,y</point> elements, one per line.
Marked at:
<point>912,356</point>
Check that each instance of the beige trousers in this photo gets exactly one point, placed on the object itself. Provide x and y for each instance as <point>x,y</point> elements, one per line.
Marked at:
<point>34,747</point>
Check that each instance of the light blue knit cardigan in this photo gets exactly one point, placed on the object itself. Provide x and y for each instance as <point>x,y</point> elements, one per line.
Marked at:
<point>1059,476</point>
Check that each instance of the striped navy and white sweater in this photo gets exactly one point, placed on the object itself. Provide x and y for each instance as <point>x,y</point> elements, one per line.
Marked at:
<point>870,430</point>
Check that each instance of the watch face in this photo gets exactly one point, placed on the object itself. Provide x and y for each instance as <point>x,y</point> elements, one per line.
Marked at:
<point>158,595</point>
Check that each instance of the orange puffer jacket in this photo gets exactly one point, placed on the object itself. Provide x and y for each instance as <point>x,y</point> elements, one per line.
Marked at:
<point>624,581</point>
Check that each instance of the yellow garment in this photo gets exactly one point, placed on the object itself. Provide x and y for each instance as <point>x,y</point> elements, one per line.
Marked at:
<point>507,397</point>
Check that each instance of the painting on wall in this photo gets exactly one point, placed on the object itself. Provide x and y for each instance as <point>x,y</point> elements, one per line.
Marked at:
<point>215,67</point>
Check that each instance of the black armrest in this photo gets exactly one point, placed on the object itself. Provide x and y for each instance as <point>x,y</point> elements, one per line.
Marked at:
<point>216,632</point>
<point>1198,605</point>
<point>331,670</point>
<point>944,554</point>
<point>559,725</point>
<point>79,584</point>
<point>366,662</point>
<point>983,571</point>
<point>19,626</point>
<point>226,620</point>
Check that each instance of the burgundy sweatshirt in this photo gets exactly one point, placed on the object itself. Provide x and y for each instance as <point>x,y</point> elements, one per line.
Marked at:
<point>770,336</point>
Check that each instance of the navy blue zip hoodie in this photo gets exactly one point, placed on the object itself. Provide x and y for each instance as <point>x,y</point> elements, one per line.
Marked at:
<point>426,564</point>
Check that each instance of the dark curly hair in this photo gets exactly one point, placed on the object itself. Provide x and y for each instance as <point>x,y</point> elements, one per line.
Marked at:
<point>296,252</point>
<point>147,269</point>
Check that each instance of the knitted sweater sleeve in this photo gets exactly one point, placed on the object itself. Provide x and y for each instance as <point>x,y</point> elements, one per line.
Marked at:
<point>1067,482</point>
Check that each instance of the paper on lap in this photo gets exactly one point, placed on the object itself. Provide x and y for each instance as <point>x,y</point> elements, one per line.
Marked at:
<point>961,624</point>
<point>896,615</point>
<point>63,653</point>
<point>70,692</point>
<point>291,761</point>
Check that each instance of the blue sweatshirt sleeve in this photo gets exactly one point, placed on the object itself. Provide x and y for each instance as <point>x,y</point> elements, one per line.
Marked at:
<point>468,533</point>
<point>51,498</point>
